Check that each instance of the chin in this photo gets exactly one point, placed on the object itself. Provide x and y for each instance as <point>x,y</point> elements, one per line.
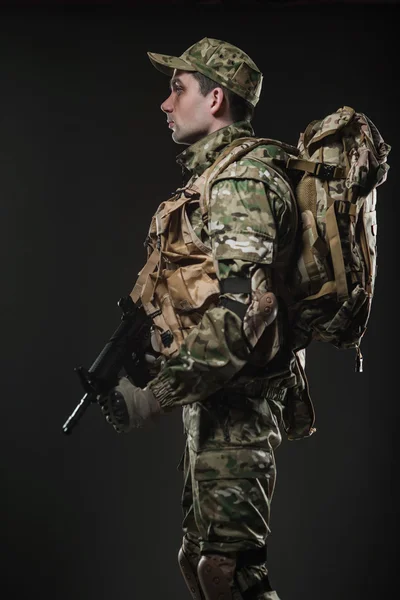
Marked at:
<point>179,139</point>
<point>187,139</point>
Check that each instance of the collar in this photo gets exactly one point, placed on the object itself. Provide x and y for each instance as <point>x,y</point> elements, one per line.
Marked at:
<point>201,155</point>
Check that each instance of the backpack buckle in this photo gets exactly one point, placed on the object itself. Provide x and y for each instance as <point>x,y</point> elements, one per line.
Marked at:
<point>324,171</point>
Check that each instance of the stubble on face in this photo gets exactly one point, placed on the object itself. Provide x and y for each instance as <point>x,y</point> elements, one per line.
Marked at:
<point>187,108</point>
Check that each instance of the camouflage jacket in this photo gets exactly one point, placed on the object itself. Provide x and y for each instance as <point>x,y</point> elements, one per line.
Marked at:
<point>249,229</point>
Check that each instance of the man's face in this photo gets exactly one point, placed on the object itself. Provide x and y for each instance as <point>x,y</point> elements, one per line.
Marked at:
<point>188,111</point>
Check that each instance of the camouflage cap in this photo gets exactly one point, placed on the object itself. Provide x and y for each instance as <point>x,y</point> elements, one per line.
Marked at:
<point>220,61</point>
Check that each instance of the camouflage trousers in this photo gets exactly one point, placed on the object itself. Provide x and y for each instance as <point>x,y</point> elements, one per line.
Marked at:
<point>228,489</point>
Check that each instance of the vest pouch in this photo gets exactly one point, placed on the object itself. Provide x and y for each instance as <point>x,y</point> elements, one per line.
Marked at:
<point>191,288</point>
<point>163,315</point>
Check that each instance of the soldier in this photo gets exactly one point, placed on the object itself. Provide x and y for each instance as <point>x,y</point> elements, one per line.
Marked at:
<point>218,252</point>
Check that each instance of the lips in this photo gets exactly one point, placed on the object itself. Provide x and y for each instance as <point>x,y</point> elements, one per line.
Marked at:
<point>171,123</point>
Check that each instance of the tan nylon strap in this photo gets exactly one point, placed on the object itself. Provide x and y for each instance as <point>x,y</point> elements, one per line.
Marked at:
<point>316,241</point>
<point>161,324</point>
<point>328,288</point>
<point>199,186</point>
<point>332,232</point>
<point>196,241</point>
<point>172,206</point>
<point>148,268</point>
<point>343,206</point>
<point>315,168</point>
<point>149,287</point>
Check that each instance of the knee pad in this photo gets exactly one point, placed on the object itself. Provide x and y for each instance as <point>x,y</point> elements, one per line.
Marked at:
<point>189,575</point>
<point>216,576</point>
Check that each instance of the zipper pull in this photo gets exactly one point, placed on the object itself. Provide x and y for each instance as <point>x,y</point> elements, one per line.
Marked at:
<point>359,360</point>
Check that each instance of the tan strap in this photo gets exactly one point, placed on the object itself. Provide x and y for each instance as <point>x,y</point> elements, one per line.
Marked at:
<point>148,268</point>
<point>316,241</point>
<point>195,239</point>
<point>333,235</point>
<point>319,169</point>
<point>329,287</point>
<point>346,207</point>
<point>199,186</point>
<point>160,323</point>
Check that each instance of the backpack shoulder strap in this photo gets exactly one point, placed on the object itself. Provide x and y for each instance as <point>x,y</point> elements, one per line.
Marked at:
<point>232,153</point>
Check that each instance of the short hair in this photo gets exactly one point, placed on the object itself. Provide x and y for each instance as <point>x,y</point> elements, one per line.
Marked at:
<point>240,109</point>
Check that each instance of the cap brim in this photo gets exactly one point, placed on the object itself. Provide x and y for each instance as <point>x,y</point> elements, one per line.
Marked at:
<point>166,64</point>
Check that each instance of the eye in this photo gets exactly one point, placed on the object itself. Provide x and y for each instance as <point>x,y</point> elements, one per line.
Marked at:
<point>176,87</point>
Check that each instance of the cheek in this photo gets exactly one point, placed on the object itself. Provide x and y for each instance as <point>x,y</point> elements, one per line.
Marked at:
<point>191,107</point>
<point>198,111</point>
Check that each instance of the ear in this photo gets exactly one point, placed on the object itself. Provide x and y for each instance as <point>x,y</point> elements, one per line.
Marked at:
<point>217,99</point>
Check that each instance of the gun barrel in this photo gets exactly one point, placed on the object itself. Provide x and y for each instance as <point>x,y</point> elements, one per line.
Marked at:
<point>73,419</point>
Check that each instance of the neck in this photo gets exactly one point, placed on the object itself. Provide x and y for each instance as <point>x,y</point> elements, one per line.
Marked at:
<point>219,123</point>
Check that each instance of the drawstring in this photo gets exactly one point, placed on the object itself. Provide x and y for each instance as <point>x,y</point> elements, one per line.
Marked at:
<point>359,360</point>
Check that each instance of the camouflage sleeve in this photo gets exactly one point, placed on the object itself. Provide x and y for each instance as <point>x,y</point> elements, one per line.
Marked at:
<point>244,240</point>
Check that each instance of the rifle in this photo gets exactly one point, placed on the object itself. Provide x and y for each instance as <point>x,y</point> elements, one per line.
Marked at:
<point>124,350</point>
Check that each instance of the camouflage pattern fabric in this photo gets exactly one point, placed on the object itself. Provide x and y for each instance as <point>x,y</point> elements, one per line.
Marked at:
<point>333,279</point>
<point>232,428</point>
<point>245,242</point>
<point>227,494</point>
<point>242,240</point>
<point>220,61</point>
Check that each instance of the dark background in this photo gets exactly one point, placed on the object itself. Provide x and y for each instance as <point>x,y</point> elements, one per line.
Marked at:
<point>85,159</point>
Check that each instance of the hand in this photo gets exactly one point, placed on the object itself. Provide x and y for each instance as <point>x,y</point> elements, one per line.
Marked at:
<point>127,407</point>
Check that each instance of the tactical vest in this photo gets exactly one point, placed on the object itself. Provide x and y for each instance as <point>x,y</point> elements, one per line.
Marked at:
<point>179,283</point>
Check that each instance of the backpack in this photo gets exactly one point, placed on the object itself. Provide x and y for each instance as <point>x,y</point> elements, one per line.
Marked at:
<point>334,171</point>
<point>343,160</point>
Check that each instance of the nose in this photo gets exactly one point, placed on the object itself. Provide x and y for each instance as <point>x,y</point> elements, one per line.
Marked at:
<point>166,106</point>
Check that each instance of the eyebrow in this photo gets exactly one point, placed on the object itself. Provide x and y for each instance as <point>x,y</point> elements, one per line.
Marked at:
<point>173,81</point>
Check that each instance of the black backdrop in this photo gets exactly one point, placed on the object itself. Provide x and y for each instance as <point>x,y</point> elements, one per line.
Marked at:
<point>85,159</point>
